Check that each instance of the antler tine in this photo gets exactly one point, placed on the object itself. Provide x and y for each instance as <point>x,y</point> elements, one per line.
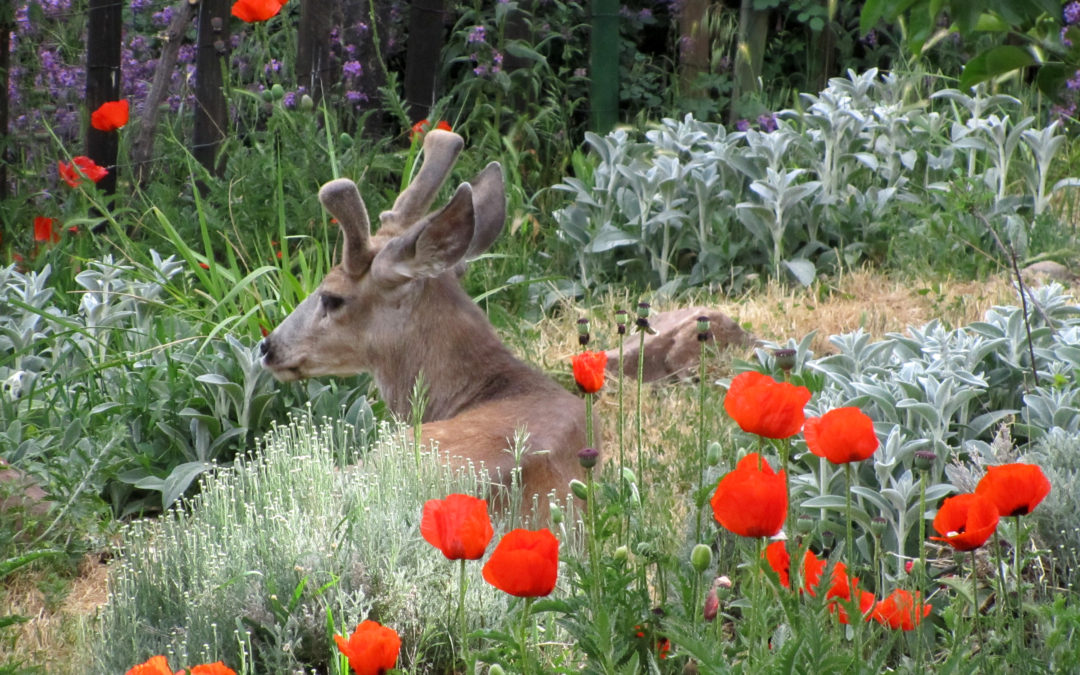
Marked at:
<point>342,200</point>
<point>441,149</point>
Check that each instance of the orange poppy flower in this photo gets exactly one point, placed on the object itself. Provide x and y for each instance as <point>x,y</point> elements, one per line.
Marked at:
<point>751,501</point>
<point>1016,489</point>
<point>761,405</point>
<point>372,649</point>
<point>422,127</point>
<point>589,370</point>
<point>866,605</point>
<point>901,610</point>
<point>966,521</point>
<point>156,665</point>
<point>776,554</point>
<point>218,668</point>
<point>80,168</point>
<point>110,116</point>
<point>254,11</point>
<point>45,229</point>
<point>459,526</point>
<point>525,563</point>
<point>841,435</point>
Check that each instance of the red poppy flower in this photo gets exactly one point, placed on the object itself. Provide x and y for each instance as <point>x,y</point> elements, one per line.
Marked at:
<point>419,128</point>
<point>841,585</point>
<point>254,11</point>
<point>110,116</point>
<point>156,665</point>
<point>761,405</point>
<point>866,605</point>
<point>1016,489</point>
<point>966,521</point>
<point>525,563</point>
<point>751,501</point>
<point>841,435</point>
<point>589,370</point>
<point>776,554</point>
<point>45,229</point>
<point>901,610</point>
<point>443,125</point>
<point>372,649</point>
<point>80,168</point>
<point>218,668</point>
<point>459,526</point>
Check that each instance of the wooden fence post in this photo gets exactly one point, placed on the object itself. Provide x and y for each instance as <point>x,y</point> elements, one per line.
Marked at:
<point>210,110</point>
<point>103,81</point>
<point>426,25</point>
<point>313,69</point>
<point>604,65</point>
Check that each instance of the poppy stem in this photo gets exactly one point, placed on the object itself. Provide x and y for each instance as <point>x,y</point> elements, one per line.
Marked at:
<point>999,573</point>
<point>462,630</point>
<point>589,422</point>
<point>850,529</point>
<point>622,445</point>
<point>640,442</point>
<point>1019,623</point>
<point>701,439</point>
<point>975,599</point>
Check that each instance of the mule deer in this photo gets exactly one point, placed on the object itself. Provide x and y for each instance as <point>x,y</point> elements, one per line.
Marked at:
<point>395,307</point>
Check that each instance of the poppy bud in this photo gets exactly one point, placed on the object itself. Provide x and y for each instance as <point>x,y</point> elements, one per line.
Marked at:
<point>583,331</point>
<point>267,95</point>
<point>712,604</point>
<point>621,554</point>
<point>712,453</point>
<point>306,102</point>
<point>579,489</point>
<point>587,457</point>
<point>701,557</point>
<point>557,515</point>
<point>924,460</point>
<point>804,524</point>
<point>496,669</point>
<point>277,92</point>
<point>785,359</point>
<point>877,526</point>
<point>345,140</point>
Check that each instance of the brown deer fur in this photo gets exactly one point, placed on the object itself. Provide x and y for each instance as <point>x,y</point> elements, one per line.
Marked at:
<point>394,307</point>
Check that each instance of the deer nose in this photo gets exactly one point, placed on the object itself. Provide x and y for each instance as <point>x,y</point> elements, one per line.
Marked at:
<point>264,348</point>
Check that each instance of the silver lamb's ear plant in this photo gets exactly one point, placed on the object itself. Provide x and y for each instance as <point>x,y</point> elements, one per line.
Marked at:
<point>394,307</point>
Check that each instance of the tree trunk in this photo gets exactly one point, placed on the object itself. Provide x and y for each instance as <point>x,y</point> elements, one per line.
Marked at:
<point>103,81</point>
<point>753,36</point>
<point>210,110</point>
<point>142,148</point>
<point>426,23</point>
<point>314,71</point>
<point>694,48</point>
<point>604,65</point>
<point>7,23</point>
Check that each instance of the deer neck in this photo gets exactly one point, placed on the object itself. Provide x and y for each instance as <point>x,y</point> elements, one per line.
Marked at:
<point>458,355</point>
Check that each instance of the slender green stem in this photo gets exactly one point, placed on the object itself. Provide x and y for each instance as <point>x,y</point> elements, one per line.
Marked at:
<point>525,630</point>
<point>999,572</point>
<point>701,440</point>
<point>640,439</point>
<point>462,630</point>
<point>922,532</point>
<point>975,599</point>
<point>850,528</point>
<point>1018,625</point>
<point>622,444</point>
<point>588,422</point>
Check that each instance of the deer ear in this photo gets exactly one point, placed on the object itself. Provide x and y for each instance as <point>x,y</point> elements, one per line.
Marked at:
<point>489,205</point>
<point>431,246</point>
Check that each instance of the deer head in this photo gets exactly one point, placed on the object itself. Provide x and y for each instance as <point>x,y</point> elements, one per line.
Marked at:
<point>371,311</point>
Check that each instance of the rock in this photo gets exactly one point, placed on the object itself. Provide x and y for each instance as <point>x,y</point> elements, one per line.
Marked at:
<point>674,350</point>
<point>1048,269</point>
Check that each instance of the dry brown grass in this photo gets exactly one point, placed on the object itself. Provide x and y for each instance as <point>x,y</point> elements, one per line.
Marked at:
<point>52,640</point>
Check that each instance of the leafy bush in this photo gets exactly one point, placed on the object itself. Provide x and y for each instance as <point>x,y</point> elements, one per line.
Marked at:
<point>285,548</point>
<point>832,184</point>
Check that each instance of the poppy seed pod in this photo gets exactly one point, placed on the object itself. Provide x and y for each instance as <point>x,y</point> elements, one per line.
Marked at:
<point>924,460</point>
<point>712,453</point>
<point>785,358</point>
<point>587,457</point>
<point>580,490</point>
<point>701,557</point>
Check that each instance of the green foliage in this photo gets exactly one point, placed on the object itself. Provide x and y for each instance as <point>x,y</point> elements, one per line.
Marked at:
<point>833,185</point>
<point>285,548</point>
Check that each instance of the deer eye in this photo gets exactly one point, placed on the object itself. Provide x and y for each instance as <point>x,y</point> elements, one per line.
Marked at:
<point>331,302</point>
